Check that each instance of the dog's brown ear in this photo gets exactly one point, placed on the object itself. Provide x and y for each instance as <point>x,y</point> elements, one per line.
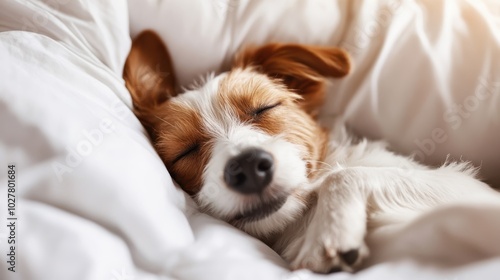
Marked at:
<point>302,68</point>
<point>150,78</point>
<point>148,72</point>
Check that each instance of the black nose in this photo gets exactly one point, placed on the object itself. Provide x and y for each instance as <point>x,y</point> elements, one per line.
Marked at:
<point>249,172</point>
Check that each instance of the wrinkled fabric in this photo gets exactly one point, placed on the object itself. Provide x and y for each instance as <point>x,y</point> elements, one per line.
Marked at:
<point>94,200</point>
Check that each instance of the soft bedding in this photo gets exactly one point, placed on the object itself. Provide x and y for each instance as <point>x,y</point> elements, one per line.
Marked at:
<point>94,200</point>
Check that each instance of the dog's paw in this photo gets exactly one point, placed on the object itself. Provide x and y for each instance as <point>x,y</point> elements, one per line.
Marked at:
<point>328,254</point>
<point>334,238</point>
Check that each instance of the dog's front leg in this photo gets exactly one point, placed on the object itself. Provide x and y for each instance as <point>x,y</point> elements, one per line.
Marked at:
<point>334,238</point>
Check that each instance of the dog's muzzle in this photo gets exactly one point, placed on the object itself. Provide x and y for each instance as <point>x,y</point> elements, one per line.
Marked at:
<point>250,172</point>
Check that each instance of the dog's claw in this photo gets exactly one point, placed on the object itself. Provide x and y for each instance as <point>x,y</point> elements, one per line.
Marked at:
<point>350,257</point>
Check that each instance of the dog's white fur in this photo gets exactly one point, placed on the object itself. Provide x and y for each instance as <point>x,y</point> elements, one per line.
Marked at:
<point>230,137</point>
<point>361,190</point>
<point>355,175</point>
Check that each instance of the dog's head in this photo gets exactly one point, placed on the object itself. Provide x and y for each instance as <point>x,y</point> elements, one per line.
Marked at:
<point>244,143</point>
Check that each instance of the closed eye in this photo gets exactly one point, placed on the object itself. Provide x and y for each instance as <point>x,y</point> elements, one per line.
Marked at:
<point>190,150</point>
<point>263,109</point>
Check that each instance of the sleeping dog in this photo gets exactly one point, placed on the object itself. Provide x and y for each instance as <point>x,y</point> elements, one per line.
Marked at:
<point>246,145</point>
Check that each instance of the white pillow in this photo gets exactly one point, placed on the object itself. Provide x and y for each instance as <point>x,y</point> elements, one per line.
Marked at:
<point>416,63</point>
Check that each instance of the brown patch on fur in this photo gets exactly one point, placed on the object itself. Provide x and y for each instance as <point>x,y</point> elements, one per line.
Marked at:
<point>285,74</point>
<point>179,129</point>
<point>245,91</point>
<point>301,68</point>
<point>149,76</point>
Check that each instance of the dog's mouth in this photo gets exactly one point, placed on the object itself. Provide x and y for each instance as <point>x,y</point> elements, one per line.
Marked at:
<point>262,210</point>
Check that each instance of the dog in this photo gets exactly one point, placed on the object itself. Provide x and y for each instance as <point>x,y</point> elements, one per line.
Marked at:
<point>247,146</point>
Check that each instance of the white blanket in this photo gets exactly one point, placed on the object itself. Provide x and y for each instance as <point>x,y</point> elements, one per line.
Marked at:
<point>94,200</point>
